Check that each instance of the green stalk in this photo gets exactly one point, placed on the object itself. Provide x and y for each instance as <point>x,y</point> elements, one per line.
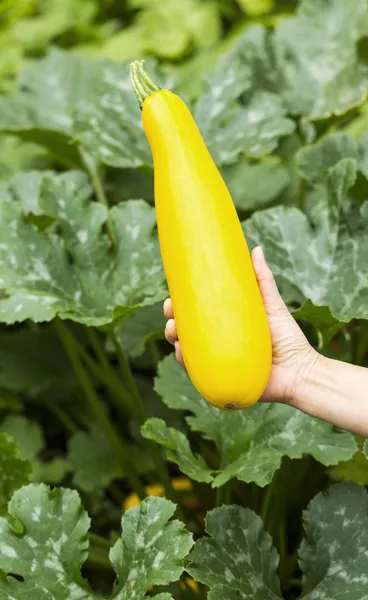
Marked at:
<point>63,417</point>
<point>220,496</point>
<point>141,415</point>
<point>97,408</point>
<point>143,85</point>
<point>98,560</point>
<point>99,540</point>
<point>100,194</point>
<point>155,352</point>
<point>296,582</point>
<point>120,393</point>
<point>267,501</point>
<point>136,400</point>
<point>109,379</point>
<point>117,494</point>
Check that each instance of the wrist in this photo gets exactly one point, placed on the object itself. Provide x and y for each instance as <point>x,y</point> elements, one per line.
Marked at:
<point>309,365</point>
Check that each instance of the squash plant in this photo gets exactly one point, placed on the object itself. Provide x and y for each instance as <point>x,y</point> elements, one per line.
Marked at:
<point>98,421</point>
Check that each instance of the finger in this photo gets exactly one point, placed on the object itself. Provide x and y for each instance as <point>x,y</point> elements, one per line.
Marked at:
<point>170,331</point>
<point>266,281</point>
<point>178,354</point>
<point>168,310</point>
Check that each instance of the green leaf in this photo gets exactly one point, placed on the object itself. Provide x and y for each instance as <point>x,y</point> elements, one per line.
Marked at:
<point>334,554</point>
<point>254,129</point>
<point>363,154</point>
<point>238,561</point>
<point>30,440</point>
<point>178,449</point>
<point>234,116</point>
<point>145,324</point>
<point>17,155</point>
<point>53,471</point>
<point>256,7</point>
<point>70,270</point>
<point>252,442</point>
<point>52,549</point>
<point>33,362</point>
<point>323,258</point>
<point>322,320</point>
<point>95,465</point>
<point>314,161</point>
<point>151,551</point>
<point>25,188</point>
<point>14,471</point>
<point>65,98</point>
<point>355,469</point>
<point>318,69</point>
<point>108,122</point>
<point>49,553</point>
<point>255,186</point>
<point>27,434</point>
<point>169,29</point>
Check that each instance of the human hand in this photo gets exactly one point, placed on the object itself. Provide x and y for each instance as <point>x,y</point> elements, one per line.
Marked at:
<point>292,355</point>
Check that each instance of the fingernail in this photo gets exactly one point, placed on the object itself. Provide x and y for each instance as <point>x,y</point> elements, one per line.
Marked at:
<point>261,251</point>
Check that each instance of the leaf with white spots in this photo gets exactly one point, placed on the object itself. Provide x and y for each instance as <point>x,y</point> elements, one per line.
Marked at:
<point>24,187</point>
<point>238,561</point>
<point>66,98</point>
<point>334,553</point>
<point>50,546</point>
<point>314,161</point>
<point>49,553</point>
<point>151,551</point>
<point>14,471</point>
<point>236,116</point>
<point>322,257</point>
<point>316,58</point>
<point>252,442</point>
<point>178,449</point>
<point>70,269</point>
<point>108,122</point>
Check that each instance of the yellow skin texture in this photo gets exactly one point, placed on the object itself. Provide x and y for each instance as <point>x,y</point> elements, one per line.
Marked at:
<point>219,313</point>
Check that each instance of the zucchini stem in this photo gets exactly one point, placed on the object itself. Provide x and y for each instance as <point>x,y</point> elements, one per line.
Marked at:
<point>143,85</point>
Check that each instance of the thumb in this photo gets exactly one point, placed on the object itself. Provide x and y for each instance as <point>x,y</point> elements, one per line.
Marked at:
<point>266,282</point>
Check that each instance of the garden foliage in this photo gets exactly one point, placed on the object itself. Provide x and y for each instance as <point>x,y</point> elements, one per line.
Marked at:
<point>270,503</point>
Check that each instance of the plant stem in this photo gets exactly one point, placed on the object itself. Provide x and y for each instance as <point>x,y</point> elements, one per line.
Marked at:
<point>116,493</point>
<point>63,417</point>
<point>220,496</point>
<point>141,415</point>
<point>155,352</point>
<point>97,408</point>
<point>99,540</point>
<point>108,374</point>
<point>302,190</point>
<point>143,85</point>
<point>136,400</point>
<point>98,560</point>
<point>267,501</point>
<point>100,194</point>
<point>282,541</point>
<point>109,379</point>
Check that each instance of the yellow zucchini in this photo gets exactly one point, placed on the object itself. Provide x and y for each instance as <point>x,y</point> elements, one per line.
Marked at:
<point>219,313</point>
